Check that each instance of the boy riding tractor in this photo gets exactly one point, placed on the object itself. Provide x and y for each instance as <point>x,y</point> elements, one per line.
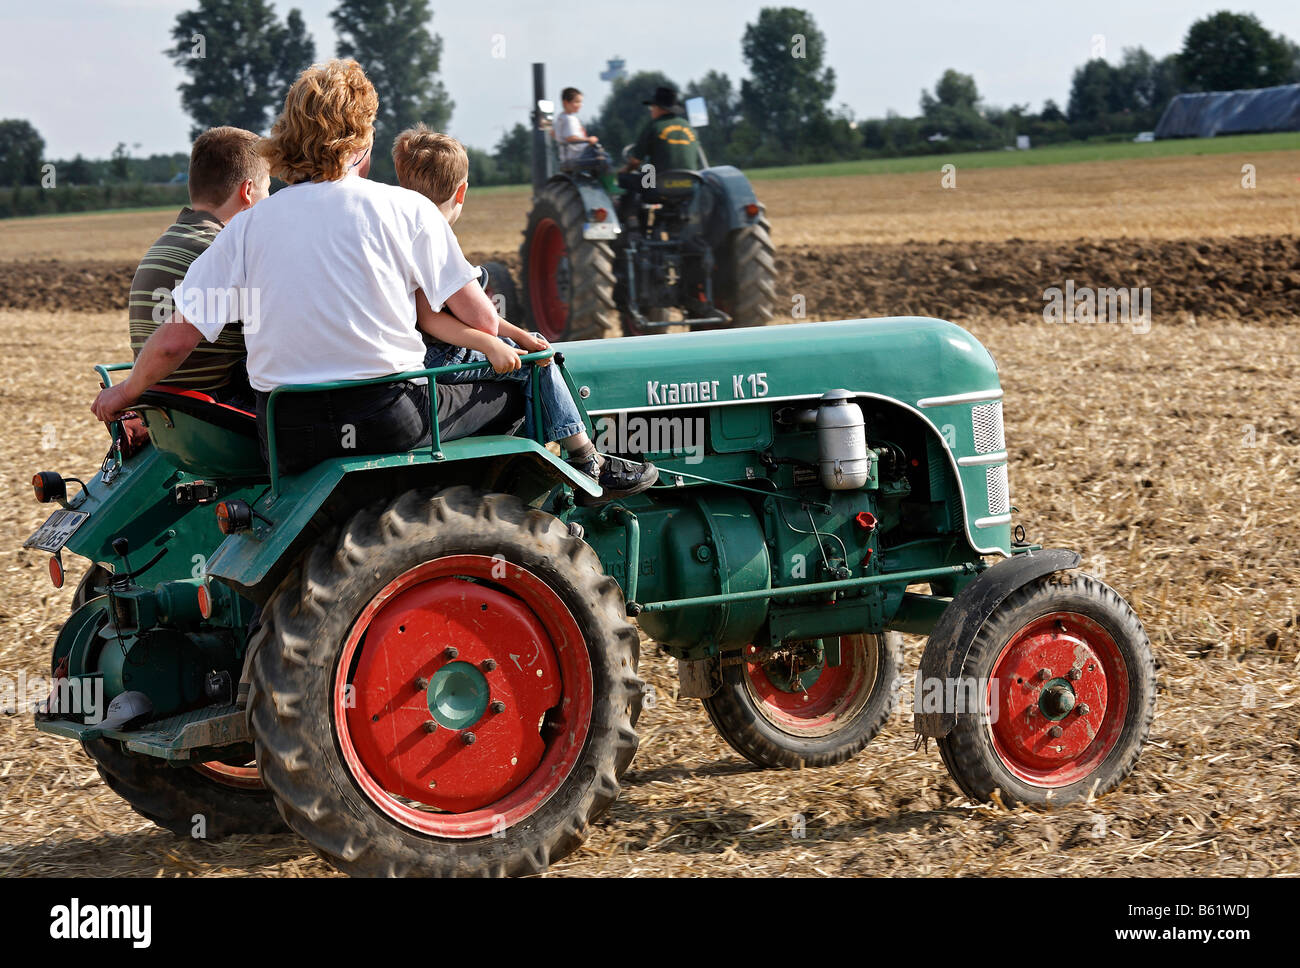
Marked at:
<point>690,245</point>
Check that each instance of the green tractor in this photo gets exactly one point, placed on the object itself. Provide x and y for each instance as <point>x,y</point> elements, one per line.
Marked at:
<point>697,251</point>
<point>426,663</point>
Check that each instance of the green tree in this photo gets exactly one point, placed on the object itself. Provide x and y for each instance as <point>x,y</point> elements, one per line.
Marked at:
<point>622,116</point>
<point>513,156</point>
<point>119,165</point>
<point>21,151</point>
<point>77,172</point>
<point>789,86</point>
<point>1094,92</point>
<point>240,60</point>
<point>392,42</point>
<point>1227,51</point>
<point>1051,111</point>
<point>723,102</point>
<point>954,90</point>
<point>954,111</point>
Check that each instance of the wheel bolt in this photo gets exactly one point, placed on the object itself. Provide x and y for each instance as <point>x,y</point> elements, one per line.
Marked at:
<point>468,738</point>
<point>421,683</point>
<point>1075,673</point>
<point>430,725</point>
<point>1044,674</point>
<point>1055,731</point>
<point>489,665</point>
<point>451,652</point>
<point>498,706</point>
<point>1083,709</point>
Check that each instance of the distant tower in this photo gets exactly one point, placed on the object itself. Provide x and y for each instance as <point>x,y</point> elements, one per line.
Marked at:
<point>614,69</point>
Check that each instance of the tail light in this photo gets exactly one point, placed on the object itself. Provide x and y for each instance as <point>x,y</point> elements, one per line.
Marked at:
<point>599,214</point>
<point>49,486</point>
<point>751,210</point>
<point>205,601</point>
<point>234,516</point>
<point>56,573</point>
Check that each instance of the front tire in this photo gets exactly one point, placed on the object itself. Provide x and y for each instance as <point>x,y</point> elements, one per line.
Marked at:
<point>447,687</point>
<point>822,716</point>
<point>1065,671</point>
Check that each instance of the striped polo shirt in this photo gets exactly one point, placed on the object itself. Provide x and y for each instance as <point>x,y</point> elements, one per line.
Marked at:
<point>161,270</point>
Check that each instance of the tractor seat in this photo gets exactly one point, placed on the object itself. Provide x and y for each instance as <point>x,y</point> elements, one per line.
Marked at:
<point>200,405</point>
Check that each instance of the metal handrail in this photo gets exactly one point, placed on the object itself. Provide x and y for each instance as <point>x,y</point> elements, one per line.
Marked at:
<point>435,443</point>
<point>431,372</point>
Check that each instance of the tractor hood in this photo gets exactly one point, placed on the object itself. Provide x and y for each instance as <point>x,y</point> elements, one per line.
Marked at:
<point>914,360</point>
<point>936,370</point>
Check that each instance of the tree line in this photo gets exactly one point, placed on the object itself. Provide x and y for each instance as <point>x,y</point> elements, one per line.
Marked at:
<point>239,58</point>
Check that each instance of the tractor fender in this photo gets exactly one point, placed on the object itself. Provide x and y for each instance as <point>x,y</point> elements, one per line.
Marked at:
<point>252,562</point>
<point>594,196</point>
<point>734,192</point>
<point>950,640</point>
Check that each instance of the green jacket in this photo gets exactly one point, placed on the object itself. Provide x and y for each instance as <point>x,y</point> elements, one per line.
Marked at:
<point>668,142</point>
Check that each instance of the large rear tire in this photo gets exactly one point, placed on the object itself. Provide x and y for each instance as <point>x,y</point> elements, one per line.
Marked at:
<point>822,716</point>
<point>567,281</point>
<point>1066,674</point>
<point>446,687</point>
<point>746,277</point>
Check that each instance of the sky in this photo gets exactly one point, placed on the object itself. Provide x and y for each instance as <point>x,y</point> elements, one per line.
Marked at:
<point>91,73</point>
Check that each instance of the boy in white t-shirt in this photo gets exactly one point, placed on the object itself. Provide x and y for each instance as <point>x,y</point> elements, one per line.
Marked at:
<point>574,145</point>
<point>437,166</point>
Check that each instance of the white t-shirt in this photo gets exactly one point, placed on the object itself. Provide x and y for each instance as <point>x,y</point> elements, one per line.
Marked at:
<point>324,274</point>
<point>566,126</point>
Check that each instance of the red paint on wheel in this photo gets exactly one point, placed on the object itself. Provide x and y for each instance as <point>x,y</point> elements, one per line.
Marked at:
<point>435,782</point>
<point>1022,732</point>
<point>239,777</point>
<point>835,697</point>
<point>545,253</point>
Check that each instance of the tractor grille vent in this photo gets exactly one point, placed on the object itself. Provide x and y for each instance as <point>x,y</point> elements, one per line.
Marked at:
<point>999,492</point>
<point>987,418</point>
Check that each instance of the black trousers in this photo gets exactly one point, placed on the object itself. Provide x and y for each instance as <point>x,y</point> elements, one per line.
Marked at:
<point>387,418</point>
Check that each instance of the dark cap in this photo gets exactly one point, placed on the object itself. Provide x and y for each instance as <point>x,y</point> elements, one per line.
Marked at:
<point>665,97</point>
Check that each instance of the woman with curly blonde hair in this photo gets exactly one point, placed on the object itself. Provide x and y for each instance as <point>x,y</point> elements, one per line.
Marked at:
<point>328,269</point>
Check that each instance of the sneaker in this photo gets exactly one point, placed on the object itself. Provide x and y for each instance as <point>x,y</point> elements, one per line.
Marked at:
<point>617,477</point>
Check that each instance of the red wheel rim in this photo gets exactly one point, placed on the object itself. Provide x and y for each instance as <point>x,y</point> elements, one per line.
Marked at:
<point>1057,655</point>
<point>239,777</point>
<point>825,705</point>
<point>510,631</point>
<point>547,257</point>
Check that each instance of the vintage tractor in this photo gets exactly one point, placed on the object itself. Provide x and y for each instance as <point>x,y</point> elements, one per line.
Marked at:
<point>425,662</point>
<point>697,250</point>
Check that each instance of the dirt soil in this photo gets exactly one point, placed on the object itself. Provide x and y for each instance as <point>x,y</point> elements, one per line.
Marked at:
<point>1170,458</point>
<point>1253,278</point>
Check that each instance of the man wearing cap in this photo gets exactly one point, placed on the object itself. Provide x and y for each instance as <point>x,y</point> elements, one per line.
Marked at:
<point>665,143</point>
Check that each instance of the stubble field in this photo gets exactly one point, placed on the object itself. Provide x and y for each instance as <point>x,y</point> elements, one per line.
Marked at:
<point>1170,458</point>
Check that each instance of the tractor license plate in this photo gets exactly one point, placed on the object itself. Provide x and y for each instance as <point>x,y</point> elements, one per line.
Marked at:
<point>57,529</point>
<point>601,231</point>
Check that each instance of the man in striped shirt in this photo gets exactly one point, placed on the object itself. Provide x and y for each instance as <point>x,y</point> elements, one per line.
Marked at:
<point>227,176</point>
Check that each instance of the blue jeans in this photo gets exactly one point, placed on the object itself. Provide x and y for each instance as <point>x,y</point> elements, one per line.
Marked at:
<point>560,416</point>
